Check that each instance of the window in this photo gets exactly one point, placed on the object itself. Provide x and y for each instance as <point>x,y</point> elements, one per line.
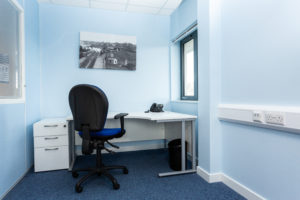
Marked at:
<point>189,68</point>
<point>11,52</point>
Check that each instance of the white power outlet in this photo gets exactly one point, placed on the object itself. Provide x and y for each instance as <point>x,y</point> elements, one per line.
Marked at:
<point>257,116</point>
<point>275,118</point>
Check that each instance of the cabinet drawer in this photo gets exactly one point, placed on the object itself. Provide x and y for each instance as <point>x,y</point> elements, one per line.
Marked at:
<point>49,141</point>
<point>51,158</point>
<point>46,129</point>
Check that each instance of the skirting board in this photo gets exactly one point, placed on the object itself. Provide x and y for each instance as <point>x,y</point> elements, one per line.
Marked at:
<point>18,181</point>
<point>210,178</point>
<point>230,182</point>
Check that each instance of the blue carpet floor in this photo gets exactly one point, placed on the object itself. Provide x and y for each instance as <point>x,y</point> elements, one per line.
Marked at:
<point>142,182</point>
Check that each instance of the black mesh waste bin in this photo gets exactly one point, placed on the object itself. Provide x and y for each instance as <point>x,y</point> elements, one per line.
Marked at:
<point>175,154</point>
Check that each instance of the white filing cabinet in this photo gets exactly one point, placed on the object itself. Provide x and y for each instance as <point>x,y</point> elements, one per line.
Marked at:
<point>51,145</point>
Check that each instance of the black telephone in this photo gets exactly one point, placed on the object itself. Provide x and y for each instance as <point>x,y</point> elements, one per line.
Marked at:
<point>156,107</point>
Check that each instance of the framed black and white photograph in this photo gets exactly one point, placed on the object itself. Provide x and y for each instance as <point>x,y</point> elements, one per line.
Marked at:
<point>106,51</point>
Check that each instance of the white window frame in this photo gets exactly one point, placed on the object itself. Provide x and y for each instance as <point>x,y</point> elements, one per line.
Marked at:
<point>20,10</point>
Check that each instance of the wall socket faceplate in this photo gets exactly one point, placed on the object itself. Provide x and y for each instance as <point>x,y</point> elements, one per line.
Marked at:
<point>277,118</point>
<point>257,116</point>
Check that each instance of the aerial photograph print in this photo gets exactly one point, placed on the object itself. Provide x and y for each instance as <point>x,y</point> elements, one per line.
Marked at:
<point>107,51</point>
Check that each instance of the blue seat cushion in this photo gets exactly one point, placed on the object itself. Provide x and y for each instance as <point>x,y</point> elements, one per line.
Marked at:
<point>106,132</point>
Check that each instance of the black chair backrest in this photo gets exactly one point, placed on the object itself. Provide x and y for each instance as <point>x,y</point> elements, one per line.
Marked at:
<point>89,107</point>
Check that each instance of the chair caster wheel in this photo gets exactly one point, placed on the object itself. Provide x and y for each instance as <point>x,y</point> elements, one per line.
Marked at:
<point>125,171</point>
<point>78,189</point>
<point>75,174</point>
<point>116,186</point>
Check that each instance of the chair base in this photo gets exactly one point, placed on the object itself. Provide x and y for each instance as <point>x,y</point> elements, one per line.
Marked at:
<point>104,170</point>
<point>99,170</point>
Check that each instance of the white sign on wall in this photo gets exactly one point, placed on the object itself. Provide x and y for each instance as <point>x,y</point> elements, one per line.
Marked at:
<point>4,68</point>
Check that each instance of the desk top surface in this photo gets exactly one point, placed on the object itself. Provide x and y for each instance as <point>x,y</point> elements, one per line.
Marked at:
<point>159,117</point>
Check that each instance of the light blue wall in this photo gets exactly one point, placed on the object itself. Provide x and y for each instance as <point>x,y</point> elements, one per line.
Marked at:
<point>260,65</point>
<point>126,90</point>
<point>265,161</point>
<point>209,74</point>
<point>21,2</point>
<point>12,145</point>
<point>32,53</point>
<point>16,148</point>
<point>203,86</point>
<point>260,52</point>
<point>182,18</point>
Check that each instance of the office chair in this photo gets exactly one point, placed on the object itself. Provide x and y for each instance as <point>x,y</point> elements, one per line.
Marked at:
<point>89,106</point>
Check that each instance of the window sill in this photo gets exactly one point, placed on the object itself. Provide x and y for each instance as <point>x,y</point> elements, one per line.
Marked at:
<point>184,101</point>
<point>12,101</point>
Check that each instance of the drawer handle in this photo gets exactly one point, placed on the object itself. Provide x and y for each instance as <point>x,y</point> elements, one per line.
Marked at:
<point>53,138</point>
<point>54,149</point>
<point>47,126</point>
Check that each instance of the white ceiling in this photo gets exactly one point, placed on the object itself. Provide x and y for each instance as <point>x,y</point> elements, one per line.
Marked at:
<point>157,7</point>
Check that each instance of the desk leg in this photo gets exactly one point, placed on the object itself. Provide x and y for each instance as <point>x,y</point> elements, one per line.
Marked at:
<point>194,145</point>
<point>72,154</point>
<point>183,145</point>
<point>183,167</point>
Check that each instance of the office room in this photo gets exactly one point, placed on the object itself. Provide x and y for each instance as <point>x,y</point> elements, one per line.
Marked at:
<point>149,99</point>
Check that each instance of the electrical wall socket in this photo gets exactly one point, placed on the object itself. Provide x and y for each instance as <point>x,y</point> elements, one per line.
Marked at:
<point>277,118</point>
<point>257,116</point>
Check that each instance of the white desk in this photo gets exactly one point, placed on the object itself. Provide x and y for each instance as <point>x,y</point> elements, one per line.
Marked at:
<point>167,118</point>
